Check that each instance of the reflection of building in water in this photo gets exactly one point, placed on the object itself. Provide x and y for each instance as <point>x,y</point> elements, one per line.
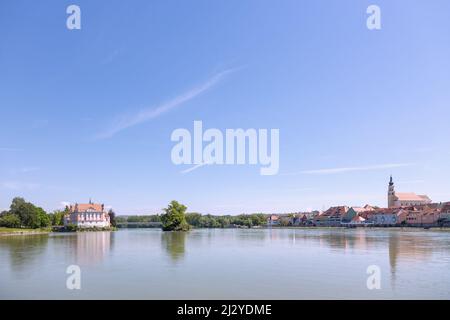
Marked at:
<point>92,247</point>
<point>407,248</point>
<point>393,253</point>
<point>345,240</point>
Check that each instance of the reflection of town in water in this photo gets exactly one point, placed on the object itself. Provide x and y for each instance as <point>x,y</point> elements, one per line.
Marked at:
<point>411,247</point>
<point>405,253</point>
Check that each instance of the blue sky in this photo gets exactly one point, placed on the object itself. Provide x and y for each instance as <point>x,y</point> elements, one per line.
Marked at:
<point>352,105</point>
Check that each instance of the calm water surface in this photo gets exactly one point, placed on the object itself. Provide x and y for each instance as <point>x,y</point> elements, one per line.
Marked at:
<point>228,264</point>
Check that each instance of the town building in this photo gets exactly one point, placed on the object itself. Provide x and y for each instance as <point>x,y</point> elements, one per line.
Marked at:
<point>349,215</point>
<point>273,220</point>
<point>87,215</point>
<point>397,199</point>
<point>386,217</point>
<point>423,217</point>
<point>302,219</point>
<point>444,219</point>
<point>331,217</point>
<point>357,221</point>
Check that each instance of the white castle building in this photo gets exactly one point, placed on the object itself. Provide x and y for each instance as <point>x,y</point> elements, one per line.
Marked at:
<point>397,199</point>
<point>87,215</point>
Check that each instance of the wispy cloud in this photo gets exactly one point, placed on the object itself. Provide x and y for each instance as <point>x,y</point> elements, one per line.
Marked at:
<point>125,122</point>
<point>29,169</point>
<point>15,185</point>
<point>351,169</point>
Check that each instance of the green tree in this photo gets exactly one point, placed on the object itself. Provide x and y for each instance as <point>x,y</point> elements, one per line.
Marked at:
<point>258,219</point>
<point>154,218</point>
<point>30,216</point>
<point>121,219</point>
<point>43,218</point>
<point>10,221</point>
<point>174,217</point>
<point>193,218</point>
<point>57,217</point>
<point>25,211</point>
<point>112,217</point>
<point>223,221</point>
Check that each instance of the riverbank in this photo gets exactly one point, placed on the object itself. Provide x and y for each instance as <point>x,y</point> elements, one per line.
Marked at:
<point>24,232</point>
<point>81,229</point>
<point>27,232</point>
<point>395,228</point>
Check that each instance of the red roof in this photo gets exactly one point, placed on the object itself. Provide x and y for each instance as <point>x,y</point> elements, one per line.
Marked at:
<point>83,207</point>
<point>336,211</point>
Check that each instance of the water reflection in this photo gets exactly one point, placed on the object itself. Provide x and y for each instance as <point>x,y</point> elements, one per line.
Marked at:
<point>24,251</point>
<point>92,247</point>
<point>174,243</point>
<point>402,246</point>
<point>394,245</point>
<point>83,248</point>
<point>414,261</point>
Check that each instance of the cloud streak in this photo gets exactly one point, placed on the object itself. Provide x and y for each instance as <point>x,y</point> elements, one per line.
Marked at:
<point>29,169</point>
<point>145,115</point>
<point>16,185</point>
<point>351,169</point>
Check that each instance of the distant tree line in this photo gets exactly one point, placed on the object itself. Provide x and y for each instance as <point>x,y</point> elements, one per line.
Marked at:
<point>138,219</point>
<point>198,220</point>
<point>24,214</point>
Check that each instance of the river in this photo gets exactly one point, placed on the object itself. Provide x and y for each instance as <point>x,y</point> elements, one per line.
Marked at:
<point>228,264</point>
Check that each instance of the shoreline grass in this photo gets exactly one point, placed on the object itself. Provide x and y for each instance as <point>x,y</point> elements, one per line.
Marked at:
<point>23,231</point>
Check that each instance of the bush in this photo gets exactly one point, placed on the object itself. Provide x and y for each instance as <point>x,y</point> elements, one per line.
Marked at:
<point>71,228</point>
<point>10,221</point>
<point>75,228</point>
<point>174,218</point>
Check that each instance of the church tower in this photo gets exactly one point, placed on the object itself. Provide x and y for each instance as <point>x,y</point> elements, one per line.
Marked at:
<point>391,194</point>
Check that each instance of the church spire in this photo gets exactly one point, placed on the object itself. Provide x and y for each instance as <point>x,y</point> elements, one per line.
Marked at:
<point>391,193</point>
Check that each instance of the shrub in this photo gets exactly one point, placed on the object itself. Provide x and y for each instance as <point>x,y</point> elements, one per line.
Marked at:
<point>10,221</point>
<point>71,228</point>
<point>174,218</point>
